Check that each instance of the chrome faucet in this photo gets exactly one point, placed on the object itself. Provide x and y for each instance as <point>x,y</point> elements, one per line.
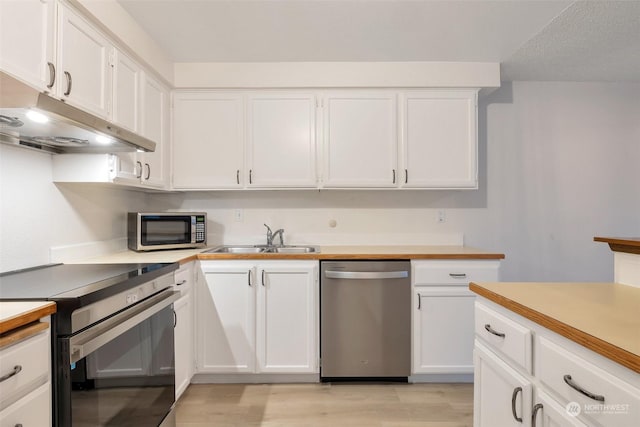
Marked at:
<point>272,234</point>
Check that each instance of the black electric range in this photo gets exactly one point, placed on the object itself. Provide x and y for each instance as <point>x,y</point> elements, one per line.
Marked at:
<point>103,313</point>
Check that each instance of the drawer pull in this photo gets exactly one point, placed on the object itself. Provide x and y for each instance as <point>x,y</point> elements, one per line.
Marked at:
<point>493,331</point>
<point>570,383</point>
<point>534,416</point>
<point>458,275</point>
<point>249,277</point>
<point>16,370</point>
<point>514,395</point>
<point>182,282</point>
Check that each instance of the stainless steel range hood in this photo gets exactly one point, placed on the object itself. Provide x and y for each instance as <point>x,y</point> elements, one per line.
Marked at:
<point>32,119</point>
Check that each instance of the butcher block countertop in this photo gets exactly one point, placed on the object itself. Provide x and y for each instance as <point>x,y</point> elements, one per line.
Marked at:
<point>621,244</point>
<point>604,317</point>
<point>326,252</point>
<point>20,320</point>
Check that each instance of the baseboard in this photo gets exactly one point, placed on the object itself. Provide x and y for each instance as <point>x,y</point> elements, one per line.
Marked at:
<point>441,378</point>
<point>254,378</point>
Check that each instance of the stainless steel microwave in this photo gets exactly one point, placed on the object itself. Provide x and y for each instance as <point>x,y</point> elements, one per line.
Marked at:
<point>147,231</point>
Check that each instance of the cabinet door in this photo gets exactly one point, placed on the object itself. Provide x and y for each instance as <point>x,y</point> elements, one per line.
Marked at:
<point>549,413</point>
<point>84,74</point>
<point>183,339</point>
<point>155,126</point>
<point>500,394</point>
<point>126,92</point>
<point>443,330</point>
<point>286,333</point>
<point>440,139</point>
<point>34,409</point>
<point>281,140</point>
<point>225,326</point>
<point>26,41</point>
<point>208,141</point>
<point>360,134</point>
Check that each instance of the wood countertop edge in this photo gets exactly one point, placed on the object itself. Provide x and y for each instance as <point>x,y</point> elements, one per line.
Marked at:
<point>22,333</point>
<point>598,345</point>
<point>620,244</point>
<point>321,256</point>
<point>27,317</point>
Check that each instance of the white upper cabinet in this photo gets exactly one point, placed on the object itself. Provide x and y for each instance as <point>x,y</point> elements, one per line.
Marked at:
<point>439,139</point>
<point>281,140</point>
<point>208,142</point>
<point>155,126</point>
<point>84,74</point>
<point>127,75</point>
<point>360,139</point>
<point>27,41</point>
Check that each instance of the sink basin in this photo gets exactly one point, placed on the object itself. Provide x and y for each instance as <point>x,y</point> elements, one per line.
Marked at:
<point>236,250</point>
<point>293,249</point>
<point>297,250</point>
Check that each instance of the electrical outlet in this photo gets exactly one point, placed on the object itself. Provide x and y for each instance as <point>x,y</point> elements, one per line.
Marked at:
<point>442,216</point>
<point>238,215</point>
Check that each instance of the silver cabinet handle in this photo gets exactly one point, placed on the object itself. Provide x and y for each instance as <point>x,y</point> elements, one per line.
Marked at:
<point>329,274</point>
<point>573,385</point>
<point>458,275</point>
<point>406,176</point>
<point>148,171</point>
<point>514,395</point>
<point>182,282</point>
<point>394,176</point>
<point>18,425</point>
<point>250,176</point>
<point>139,167</point>
<point>493,331</point>
<point>419,302</point>
<point>175,319</point>
<point>52,74</point>
<point>534,416</point>
<point>249,277</point>
<point>69,83</point>
<point>262,277</point>
<point>238,176</point>
<point>16,371</point>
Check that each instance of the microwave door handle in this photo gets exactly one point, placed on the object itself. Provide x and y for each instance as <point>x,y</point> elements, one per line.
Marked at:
<point>95,337</point>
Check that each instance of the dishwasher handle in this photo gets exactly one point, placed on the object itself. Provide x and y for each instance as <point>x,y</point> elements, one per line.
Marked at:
<point>331,274</point>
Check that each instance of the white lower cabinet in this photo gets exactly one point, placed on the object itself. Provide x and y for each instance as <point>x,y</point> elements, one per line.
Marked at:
<point>571,385</point>
<point>502,397</point>
<point>25,389</point>
<point>443,316</point>
<point>257,317</point>
<point>183,331</point>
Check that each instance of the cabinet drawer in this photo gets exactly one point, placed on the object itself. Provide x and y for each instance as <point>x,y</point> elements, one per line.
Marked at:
<point>32,358</point>
<point>453,272</point>
<point>504,335</point>
<point>184,278</point>
<point>34,409</point>
<point>613,402</point>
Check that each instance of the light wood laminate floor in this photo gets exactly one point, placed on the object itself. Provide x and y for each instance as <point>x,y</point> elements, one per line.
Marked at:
<point>322,405</point>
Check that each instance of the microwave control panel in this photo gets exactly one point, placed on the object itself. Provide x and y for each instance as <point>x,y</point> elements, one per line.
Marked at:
<point>200,232</point>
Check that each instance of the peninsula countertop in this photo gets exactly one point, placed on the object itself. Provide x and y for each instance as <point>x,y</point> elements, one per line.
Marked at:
<point>600,316</point>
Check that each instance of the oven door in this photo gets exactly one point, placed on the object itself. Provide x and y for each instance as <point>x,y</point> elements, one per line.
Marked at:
<point>166,231</point>
<point>121,371</point>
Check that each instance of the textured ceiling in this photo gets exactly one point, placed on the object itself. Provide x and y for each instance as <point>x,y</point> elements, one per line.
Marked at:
<point>590,41</point>
<point>533,40</point>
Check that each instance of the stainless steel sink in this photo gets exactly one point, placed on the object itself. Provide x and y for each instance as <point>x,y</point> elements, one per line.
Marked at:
<point>236,250</point>
<point>261,249</point>
<point>297,249</point>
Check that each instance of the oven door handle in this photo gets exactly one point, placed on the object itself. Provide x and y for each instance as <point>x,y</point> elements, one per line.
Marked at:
<point>93,338</point>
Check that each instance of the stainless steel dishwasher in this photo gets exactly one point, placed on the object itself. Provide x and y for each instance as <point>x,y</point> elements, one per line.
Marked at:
<point>365,320</point>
